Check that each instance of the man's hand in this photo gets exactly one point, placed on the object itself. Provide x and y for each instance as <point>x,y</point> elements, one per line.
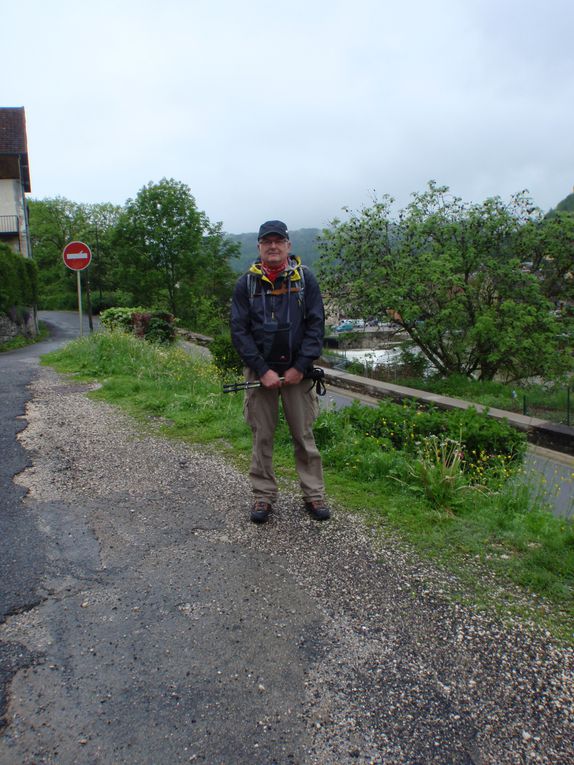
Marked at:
<point>270,379</point>
<point>293,376</point>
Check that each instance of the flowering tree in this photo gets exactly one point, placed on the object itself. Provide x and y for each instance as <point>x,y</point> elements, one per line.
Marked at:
<point>447,273</point>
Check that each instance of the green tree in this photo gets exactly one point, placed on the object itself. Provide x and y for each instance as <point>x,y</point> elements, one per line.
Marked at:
<point>168,252</point>
<point>447,274</point>
<point>548,245</point>
<point>54,223</point>
<point>102,219</point>
<point>566,205</point>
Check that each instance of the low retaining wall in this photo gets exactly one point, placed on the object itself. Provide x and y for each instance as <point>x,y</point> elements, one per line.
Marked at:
<point>540,432</point>
<point>12,326</point>
<point>195,337</point>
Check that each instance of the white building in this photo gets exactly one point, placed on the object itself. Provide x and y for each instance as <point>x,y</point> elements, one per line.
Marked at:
<point>14,180</point>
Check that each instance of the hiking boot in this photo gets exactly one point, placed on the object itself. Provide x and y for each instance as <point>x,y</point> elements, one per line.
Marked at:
<point>318,510</point>
<point>260,511</point>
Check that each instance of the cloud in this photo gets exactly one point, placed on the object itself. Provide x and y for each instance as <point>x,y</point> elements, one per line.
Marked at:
<point>296,109</point>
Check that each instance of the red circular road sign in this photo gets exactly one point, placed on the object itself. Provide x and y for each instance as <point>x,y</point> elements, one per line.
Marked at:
<point>77,256</point>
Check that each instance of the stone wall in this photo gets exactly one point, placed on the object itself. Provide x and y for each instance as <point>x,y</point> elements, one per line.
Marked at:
<point>22,323</point>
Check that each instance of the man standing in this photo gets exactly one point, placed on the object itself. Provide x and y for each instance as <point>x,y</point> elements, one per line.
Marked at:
<point>277,327</point>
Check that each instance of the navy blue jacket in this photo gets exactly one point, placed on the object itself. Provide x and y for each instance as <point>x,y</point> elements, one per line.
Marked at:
<point>277,326</point>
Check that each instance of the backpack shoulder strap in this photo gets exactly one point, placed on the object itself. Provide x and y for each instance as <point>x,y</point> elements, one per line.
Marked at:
<point>301,295</point>
<point>251,285</point>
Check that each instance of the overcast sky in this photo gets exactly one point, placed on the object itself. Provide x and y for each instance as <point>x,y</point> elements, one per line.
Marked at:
<point>293,110</point>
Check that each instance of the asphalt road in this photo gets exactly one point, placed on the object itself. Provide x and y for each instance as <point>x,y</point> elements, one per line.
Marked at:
<point>22,549</point>
<point>21,562</point>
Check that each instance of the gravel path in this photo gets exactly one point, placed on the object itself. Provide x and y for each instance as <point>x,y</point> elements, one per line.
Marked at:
<point>386,668</point>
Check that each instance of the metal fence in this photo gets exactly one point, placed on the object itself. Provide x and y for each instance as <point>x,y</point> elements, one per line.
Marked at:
<point>557,409</point>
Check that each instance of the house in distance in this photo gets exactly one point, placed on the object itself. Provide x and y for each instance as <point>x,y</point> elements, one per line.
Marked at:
<point>14,180</point>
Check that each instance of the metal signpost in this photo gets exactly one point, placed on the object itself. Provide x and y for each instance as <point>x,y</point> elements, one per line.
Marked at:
<point>78,256</point>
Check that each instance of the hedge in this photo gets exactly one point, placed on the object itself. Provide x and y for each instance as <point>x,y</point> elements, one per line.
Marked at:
<point>18,280</point>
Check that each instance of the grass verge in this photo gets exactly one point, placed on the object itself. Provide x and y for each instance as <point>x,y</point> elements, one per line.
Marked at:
<point>507,550</point>
<point>549,401</point>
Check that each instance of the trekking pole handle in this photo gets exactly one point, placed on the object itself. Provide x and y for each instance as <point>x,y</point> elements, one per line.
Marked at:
<point>235,387</point>
<point>316,375</point>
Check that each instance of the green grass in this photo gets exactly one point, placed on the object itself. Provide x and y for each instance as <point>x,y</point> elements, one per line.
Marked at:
<point>487,527</point>
<point>548,401</point>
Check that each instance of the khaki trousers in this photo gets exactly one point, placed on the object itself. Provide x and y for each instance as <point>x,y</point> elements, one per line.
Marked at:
<point>301,408</point>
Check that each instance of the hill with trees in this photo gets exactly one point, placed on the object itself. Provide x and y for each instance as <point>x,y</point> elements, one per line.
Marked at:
<point>304,244</point>
<point>566,205</point>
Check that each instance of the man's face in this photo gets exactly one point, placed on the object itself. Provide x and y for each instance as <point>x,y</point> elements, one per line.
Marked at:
<point>273,250</point>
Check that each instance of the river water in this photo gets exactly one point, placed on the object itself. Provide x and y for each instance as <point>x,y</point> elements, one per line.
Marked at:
<point>370,357</point>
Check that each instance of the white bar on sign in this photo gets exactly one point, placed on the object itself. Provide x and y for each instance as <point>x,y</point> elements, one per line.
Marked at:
<point>77,256</point>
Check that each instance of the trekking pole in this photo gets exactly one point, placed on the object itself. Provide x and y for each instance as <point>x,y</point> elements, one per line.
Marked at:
<point>235,387</point>
<point>317,376</point>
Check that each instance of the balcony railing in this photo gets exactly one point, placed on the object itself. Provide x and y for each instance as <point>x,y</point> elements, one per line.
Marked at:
<point>9,224</point>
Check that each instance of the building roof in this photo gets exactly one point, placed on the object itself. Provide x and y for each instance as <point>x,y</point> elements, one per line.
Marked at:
<point>13,140</point>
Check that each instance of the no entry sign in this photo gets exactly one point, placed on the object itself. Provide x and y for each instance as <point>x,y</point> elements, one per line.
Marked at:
<point>77,256</point>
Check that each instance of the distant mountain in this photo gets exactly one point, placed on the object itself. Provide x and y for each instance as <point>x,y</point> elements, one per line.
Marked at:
<point>303,244</point>
<point>566,205</point>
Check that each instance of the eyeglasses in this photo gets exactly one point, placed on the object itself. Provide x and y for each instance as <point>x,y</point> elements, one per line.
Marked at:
<point>271,242</point>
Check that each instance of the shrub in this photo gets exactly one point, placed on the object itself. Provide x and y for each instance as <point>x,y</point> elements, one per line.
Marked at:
<point>356,368</point>
<point>224,354</point>
<point>59,301</point>
<point>413,363</point>
<point>18,280</point>
<point>483,434</point>
<point>489,449</point>
<point>119,318</point>
<point>155,326</point>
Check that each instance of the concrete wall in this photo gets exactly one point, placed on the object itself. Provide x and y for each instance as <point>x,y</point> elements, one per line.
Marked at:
<point>10,197</point>
<point>560,438</point>
<point>11,203</point>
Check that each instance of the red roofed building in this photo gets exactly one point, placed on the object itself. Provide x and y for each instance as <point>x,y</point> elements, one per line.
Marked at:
<point>14,180</point>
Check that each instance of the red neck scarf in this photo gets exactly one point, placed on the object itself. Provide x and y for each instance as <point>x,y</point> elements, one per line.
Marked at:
<point>273,273</point>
